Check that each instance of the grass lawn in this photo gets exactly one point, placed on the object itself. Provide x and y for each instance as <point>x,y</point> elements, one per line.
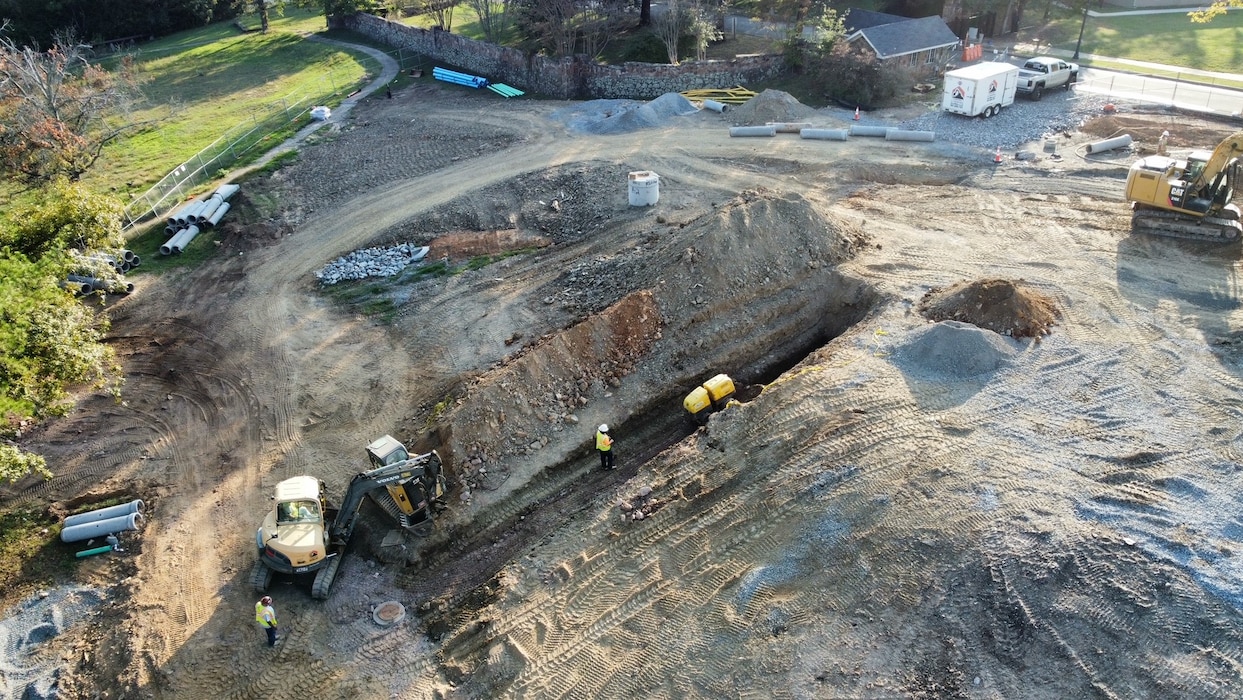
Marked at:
<point>1172,39</point>
<point>199,84</point>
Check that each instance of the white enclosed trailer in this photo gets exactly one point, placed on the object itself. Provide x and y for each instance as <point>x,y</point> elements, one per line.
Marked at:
<point>983,88</point>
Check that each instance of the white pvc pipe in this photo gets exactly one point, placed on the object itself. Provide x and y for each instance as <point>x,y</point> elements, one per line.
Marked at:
<point>1110,144</point>
<point>753,131</point>
<point>715,106</point>
<point>225,191</point>
<point>134,506</point>
<point>167,248</point>
<point>218,214</point>
<point>824,134</point>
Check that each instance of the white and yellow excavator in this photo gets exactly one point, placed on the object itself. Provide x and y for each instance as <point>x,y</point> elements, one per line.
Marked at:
<point>1188,198</point>
<point>304,536</point>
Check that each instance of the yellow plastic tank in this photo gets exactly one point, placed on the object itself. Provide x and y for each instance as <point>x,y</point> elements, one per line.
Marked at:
<point>696,401</point>
<point>720,389</point>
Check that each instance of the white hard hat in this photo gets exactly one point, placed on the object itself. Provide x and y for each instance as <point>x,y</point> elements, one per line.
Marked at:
<point>604,427</point>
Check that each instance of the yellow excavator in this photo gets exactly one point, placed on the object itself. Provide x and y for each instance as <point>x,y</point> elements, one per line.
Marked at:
<point>1188,198</point>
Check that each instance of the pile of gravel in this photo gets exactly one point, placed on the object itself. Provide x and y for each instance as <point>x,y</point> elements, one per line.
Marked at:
<point>26,669</point>
<point>769,106</point>
<point>622,116</point>
<point>1021,123</point>
<point>371,262</point>
<point>953,349</point>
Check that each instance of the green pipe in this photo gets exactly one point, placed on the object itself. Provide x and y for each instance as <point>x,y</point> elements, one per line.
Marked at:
<point>92,552</point>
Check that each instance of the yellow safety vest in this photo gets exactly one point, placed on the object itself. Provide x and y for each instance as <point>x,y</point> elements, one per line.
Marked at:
<point>259,612</point>
<point>603,442</point>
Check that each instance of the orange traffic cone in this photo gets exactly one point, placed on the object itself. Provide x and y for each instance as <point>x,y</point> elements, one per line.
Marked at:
<point>856,114</point>
<point>997,155</point>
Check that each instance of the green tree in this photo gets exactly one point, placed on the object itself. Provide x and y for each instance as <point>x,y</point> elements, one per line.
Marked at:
<point>49,342</point>
<point>1216,9</point>
<point>65,216</point>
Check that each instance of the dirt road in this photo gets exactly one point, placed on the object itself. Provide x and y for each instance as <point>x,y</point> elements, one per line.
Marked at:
<point>878,522</point>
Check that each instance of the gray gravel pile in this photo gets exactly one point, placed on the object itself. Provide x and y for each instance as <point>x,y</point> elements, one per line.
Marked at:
<point>26,670</point>
<point>371,262</point>
<point>1021,123</point>
<point>622,116</point>
<point>954,349</point>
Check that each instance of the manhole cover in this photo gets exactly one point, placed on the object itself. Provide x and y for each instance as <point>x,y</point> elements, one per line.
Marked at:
<point>389,613</point>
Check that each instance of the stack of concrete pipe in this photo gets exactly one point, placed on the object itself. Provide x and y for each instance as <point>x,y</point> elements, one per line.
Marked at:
<point>195,216</point>
<point>102,522</point>
<point>102,272</point>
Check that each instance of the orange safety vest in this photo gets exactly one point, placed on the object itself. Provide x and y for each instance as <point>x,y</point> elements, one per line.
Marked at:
<point>603,442</point>
<point>261,614</point>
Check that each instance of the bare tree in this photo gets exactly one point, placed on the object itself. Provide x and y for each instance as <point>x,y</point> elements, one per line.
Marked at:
<point>441,11</point>
<point>493,17</point>
<point>703,26</point>
<point>668,26</point>
<point>57,110</point>
<point>552,21</point>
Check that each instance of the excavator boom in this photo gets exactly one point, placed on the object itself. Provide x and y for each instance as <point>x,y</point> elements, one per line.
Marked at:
<point>1188,198</point>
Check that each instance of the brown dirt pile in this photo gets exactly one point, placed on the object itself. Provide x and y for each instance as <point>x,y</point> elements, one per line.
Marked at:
<point>1006,307</point>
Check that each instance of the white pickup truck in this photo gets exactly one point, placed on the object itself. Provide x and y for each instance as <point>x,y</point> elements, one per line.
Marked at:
<point>1045,73</point>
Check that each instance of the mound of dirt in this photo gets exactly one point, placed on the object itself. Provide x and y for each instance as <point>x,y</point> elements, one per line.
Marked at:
<point>1006,307</point>
<point>955,348</point>
<point>769,106</point>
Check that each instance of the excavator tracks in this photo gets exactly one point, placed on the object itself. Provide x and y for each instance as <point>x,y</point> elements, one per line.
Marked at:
<point>324,579</point>
<point>1167,223</point>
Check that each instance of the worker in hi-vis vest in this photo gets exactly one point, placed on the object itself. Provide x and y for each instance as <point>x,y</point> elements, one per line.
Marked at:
<point>265,615</point>
<point>604,445</point>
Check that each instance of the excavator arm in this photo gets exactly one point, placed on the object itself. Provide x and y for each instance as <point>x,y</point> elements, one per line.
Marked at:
<point>1217,163</point>
<point>425,469</point>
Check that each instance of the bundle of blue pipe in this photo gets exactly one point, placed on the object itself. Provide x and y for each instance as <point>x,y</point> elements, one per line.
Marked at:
<point>450,76</point>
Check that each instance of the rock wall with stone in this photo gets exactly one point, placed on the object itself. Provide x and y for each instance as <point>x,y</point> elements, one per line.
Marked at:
<point>567,77</point>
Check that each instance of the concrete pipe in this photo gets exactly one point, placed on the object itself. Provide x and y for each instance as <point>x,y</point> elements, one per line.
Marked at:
<point>861,130</point>
<point>218,214</point>
<point>94,284</point>
<point>903,135</point>
<point>715,106</point>
<point>1110,144</point>
<point>205,213</point>
<point>127,255</point>
<point>824,134</point>
<point>167,248</point>
<point>134,506</point>
<point>182,215</point>
<point>129,287</point>
<point>753,131</point>
<point>183,239</point>
<point>80,288</point>
<point>99,528</point>
<point>136,261</point>
<point>790,127</point>
<point>227,190</point>
<point>125,267</point>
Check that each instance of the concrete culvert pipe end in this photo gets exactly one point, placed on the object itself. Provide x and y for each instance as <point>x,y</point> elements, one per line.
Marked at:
<point>715,106</point>
<point>388,613</point>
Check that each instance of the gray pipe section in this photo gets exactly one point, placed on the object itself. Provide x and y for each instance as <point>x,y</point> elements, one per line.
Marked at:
<point>210,207</point>
<point>218,214</point>
<point>183,214</point>
<point>752,131</point>
<point>183,239</point>
<point>134,506</point>
<point>128,255</point>
<point>77,287</point>
<point>167,248</point>
<point>89,284</point>
<point>902,135</point>
<point>1110,144</point>
<point>227,190</point>
<point>824,134</point>
<point>861,130</point>
<point>715,106</point>
<point>99,528</point>
<point>790,127</point>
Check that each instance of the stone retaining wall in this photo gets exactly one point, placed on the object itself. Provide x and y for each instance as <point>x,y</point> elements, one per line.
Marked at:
<point>562,78</point>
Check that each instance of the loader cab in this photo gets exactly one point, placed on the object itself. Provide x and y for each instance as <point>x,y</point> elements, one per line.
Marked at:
<point>385,451</point>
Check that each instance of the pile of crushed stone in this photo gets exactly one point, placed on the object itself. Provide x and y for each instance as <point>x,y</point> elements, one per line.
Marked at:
<point>952,348</point>
<point>1005,307</point>
<point>622,116</point>
<point>769,106</point>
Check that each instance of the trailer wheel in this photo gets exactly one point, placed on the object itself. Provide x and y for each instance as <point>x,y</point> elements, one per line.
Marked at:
<point>260,577</point>
<point>1037,93</point>
<point>988,111</point>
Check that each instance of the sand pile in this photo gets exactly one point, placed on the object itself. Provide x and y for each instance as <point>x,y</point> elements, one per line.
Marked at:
<point>769,106</point>
<point>1009,308</point>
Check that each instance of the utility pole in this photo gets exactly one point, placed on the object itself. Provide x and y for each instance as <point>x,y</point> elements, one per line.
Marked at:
<point>1082,25</point>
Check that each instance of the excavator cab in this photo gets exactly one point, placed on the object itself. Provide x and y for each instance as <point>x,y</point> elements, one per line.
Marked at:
<point>385,451</point>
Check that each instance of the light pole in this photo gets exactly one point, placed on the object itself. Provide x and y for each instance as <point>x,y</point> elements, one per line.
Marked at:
<point>1082,25</point>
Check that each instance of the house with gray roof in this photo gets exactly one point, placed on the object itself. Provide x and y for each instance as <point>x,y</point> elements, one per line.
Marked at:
<point>924,45</point>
